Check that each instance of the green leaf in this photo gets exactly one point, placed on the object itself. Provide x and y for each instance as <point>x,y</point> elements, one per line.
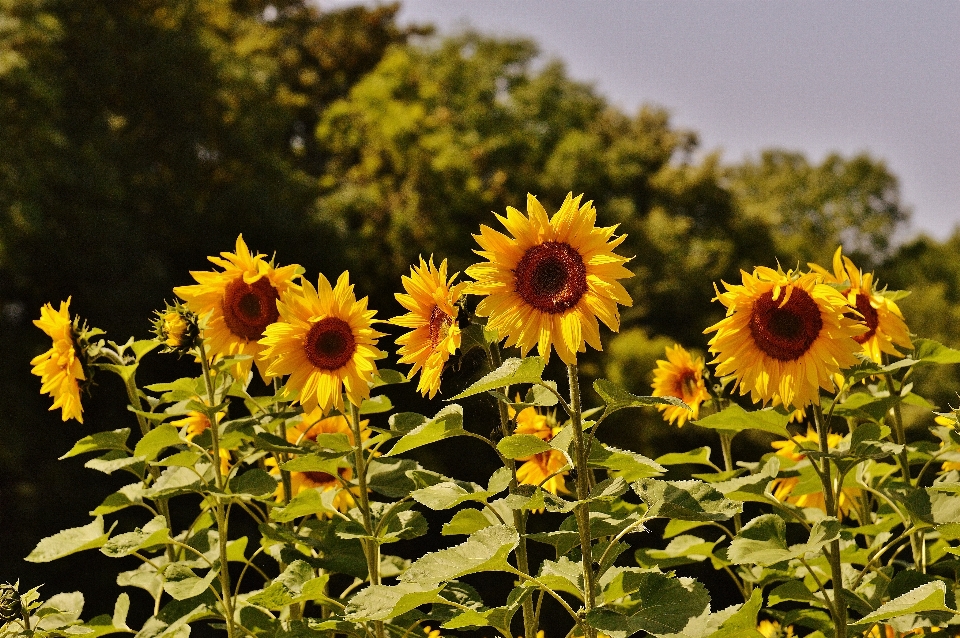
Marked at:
<point>255,482</point>
<point>305,503</point>
<point>684,500</point>
<point>115,440</point>
<point>184,389</point>
<point>486,550</point>
<point>181,583</point>
<point>791,591</point>
<point>296,584</point>
<point>735,419</point>
<point>447,423</point>
<point>174,481</point>
<point>466,521</point>
<point>630,466</point>
<point>152,534</point>
<point>162,436</point>
<point>616,398</point>
<point>511,372</point>
<point>448,494</point>
<point>926,598</point>
<point>743,623</point>
<point>680,551</point>
<point>653,602</point>
<point>699,456</point>
<point>390,476</point>
<point>753,487</point>
<point>930,351</point>
<point>187,458</point>
<point>518,446</point>
<point>763,541</point>
<point>116,460</point>
<point>376,405</point>
<point>124,497</point>
<point>70,541</point>
<point>385,376</point>
<point>380,602</point>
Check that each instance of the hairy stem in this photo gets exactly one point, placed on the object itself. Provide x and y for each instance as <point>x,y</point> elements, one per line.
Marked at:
<point>831,499</point>
<point>371,548</point>
<point>582,510</point>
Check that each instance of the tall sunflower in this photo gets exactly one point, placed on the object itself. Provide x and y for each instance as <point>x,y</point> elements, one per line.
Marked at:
<point>60,368</point>
<point>882,317</point>
<point>680,376</point>
<point>793,450</point>
<point>325,342</point>
<point>431,298</point>
<point>785,335</point>
<point>239,301</point>
<point>548,283</point>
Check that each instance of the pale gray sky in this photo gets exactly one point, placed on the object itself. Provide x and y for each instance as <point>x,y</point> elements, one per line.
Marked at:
<point>814,76</point>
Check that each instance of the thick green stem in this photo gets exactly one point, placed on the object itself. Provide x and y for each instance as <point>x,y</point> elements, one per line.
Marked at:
<point>371,548</point>
<point>726,438</point>
<point>519,518</point>
<point>219,512</point>
<point>582,510</point>
<point>831,499</point>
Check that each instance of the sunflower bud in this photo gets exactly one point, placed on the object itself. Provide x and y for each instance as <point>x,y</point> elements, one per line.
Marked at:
<point>10,606</point>
<point>176,327</point>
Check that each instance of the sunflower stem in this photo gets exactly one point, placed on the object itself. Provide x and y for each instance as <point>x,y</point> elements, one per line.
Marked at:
<point>917,544</point>
<point>582,510</point>
<point>219,513</point>
<point>726,439</point>
<point>831,500</point>
<point>371,548</point>
<point>519,519</point>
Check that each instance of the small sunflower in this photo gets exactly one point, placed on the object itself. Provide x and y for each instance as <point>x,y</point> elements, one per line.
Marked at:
<point>431,298</point>
<point>783,487</point>
<point>538,467</point>
<point>772,629</point>
<point>882,317</point>
<point>785,335</point>
<point>312,425</point>
<point>325,342</point>
<point>60,368</point>
<point>196,423</point>
<point>239,303</point>
<point>680,376</point>
<point>547,285</point>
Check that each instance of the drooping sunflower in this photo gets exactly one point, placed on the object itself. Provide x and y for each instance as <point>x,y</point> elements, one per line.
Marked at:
<point>325,342</point>
<point>886,327</point>
<point>60,368</point>
<point>784,337</point>
<point>195,423</point>
<point>239,302</point>
<point>431,298</point>
<point>538,467</point>
<point>783,488</point>
<point>681,376</point>
<point>313,424</point>
<point>549,283</point>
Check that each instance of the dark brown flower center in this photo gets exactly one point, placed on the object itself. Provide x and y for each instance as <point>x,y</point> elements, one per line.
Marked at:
<point>551,277</point>
<point>785,332</point>
<point>330,343</point>
<point>686,385</point>
<point>440,323</point>
<point>870,318</point>
<point>321,478</point>
<point>249,308</point>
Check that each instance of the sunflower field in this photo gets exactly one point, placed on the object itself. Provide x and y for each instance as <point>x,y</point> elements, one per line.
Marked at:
<point>288,432</point>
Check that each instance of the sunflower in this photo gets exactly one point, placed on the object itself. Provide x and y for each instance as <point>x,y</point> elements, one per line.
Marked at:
<point>548,284</point>
<point>784,335</point>
<point>60,368</point>
<point>240,302</point>
<point>325,342</point>
<point>772,629</point>
<point>196,423</point>
<point>680,376</point>
<point>313,424</point>
<point>883,319</point>
<point>538,467</point>
<point>431,299</point>
<point>792,449</point>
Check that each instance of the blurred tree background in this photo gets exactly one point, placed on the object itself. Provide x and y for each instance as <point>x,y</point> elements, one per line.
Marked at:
<point>139,136</point>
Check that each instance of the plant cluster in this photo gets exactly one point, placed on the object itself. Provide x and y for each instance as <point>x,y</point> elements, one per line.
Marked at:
<point>844,528</point>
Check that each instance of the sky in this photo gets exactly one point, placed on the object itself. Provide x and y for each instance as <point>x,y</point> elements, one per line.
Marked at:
<point>815,76</point>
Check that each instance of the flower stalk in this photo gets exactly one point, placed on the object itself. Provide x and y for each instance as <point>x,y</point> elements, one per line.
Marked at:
<point>831,500</point>
<point>582,509</point>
